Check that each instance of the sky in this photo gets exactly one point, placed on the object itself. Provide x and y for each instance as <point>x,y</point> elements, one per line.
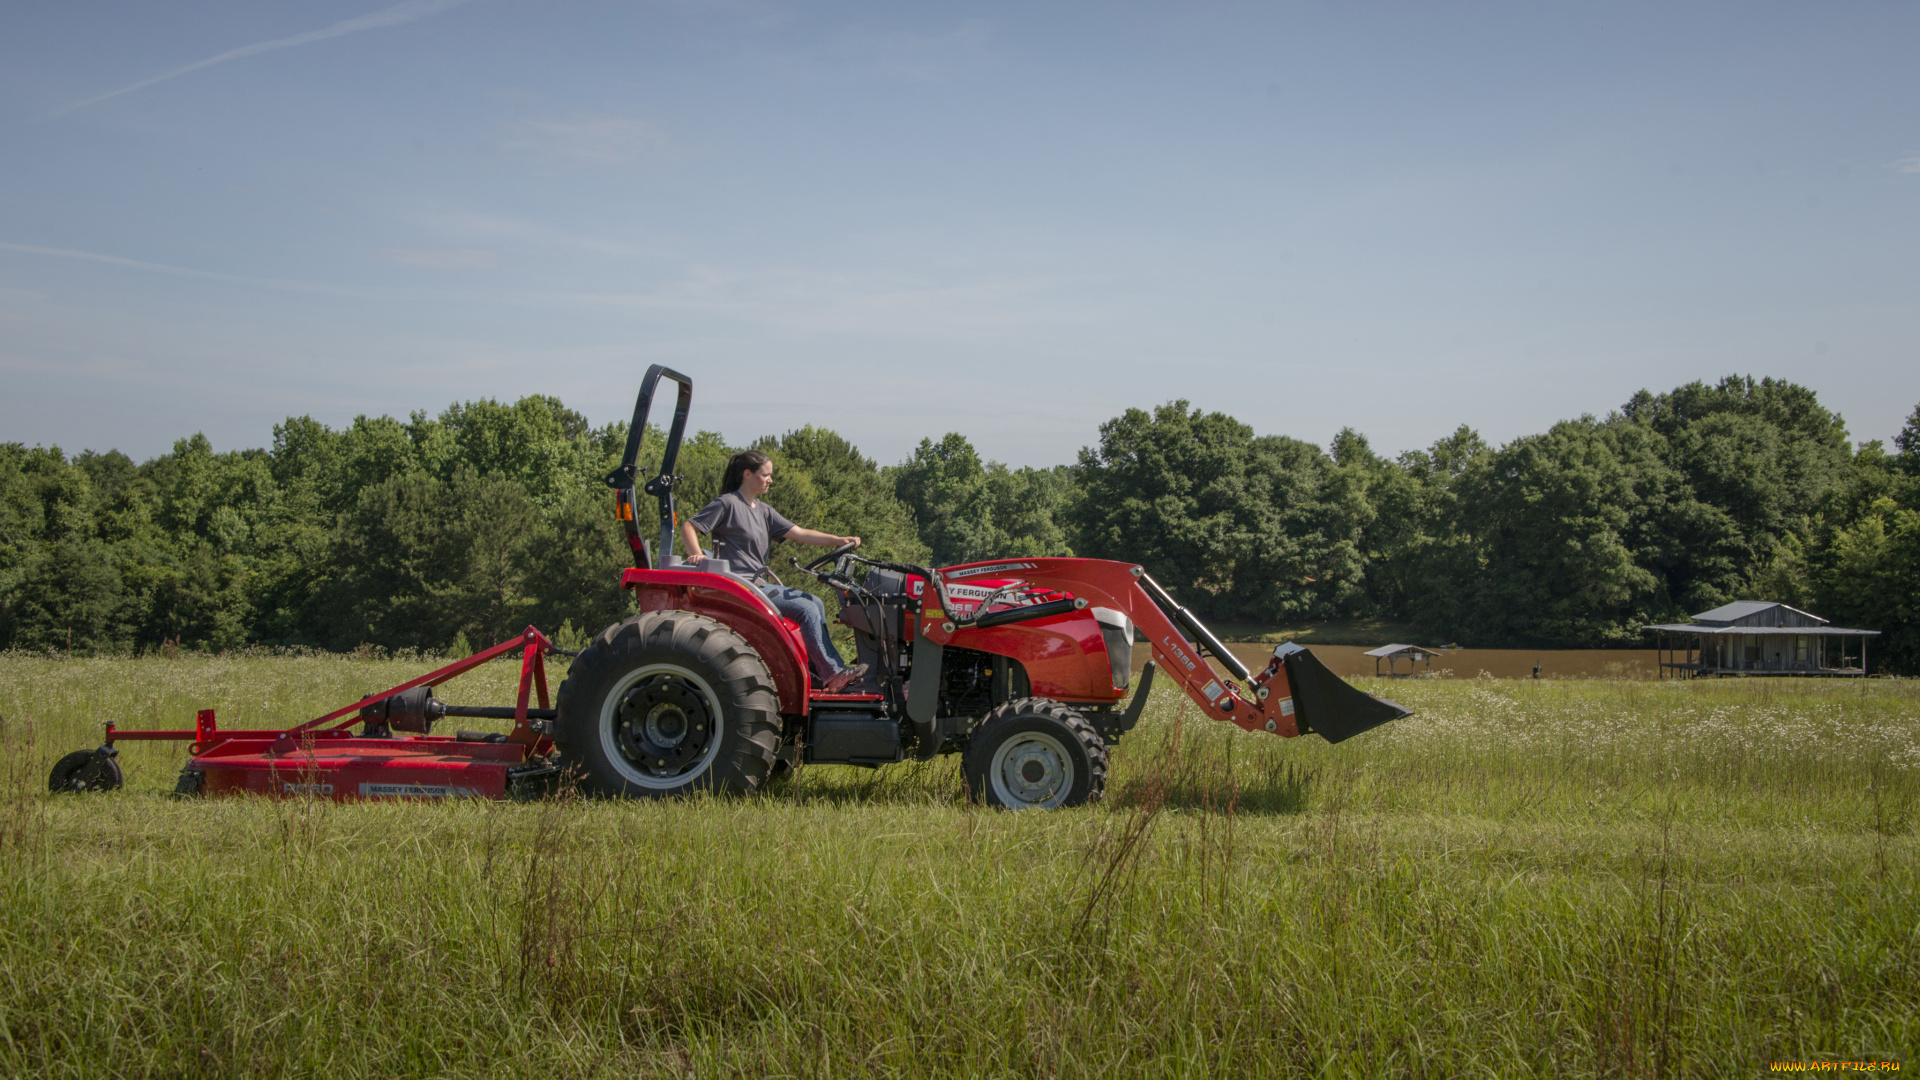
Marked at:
<point>897,220</point>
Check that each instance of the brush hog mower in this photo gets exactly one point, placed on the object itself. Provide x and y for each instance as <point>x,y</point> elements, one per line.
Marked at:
<point>394,755</point>
<point>1018,665</point>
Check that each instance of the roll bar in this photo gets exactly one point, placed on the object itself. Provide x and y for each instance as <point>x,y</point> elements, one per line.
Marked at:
<point>622,479</point>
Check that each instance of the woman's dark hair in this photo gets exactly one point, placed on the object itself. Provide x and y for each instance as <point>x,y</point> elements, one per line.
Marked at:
<point>739,466</point>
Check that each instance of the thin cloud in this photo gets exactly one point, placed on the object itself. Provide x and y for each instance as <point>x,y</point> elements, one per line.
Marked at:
<point>410,11</point>
<point>1908,165</point>
<point>276,284</point>
<point>594,139</point>
<point>917,57</point>
<point>528,232</point>
<point>442,259</point>
<point>864,304</point>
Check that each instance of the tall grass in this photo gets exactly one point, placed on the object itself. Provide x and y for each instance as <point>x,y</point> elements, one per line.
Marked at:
<point>1551,879</point>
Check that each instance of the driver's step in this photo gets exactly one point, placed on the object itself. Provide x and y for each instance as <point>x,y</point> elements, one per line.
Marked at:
<point>844,699</point>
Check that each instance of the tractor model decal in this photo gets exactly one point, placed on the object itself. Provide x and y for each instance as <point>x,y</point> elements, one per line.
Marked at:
<point>976,571</point>
<point>1178,654</point>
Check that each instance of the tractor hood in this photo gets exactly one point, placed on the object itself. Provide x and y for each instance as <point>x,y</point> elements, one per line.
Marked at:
<point>1326,704</point>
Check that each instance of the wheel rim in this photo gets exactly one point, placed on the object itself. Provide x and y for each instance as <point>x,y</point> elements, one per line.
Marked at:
<point>1031,770</point>
<point>660,728</point>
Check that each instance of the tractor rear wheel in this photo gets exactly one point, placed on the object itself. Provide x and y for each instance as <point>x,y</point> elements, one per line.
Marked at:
<point>668,703</point>
<point>1035,754</point>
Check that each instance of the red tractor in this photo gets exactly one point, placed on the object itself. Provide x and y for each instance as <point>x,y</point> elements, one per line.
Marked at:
<point>1018,665</point>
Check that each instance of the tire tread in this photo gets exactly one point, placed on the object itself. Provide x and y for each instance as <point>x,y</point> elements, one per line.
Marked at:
<point>1078,726</point>
<point>750,705</point>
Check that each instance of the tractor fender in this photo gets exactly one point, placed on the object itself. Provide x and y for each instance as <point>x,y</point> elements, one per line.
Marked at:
<point>731,601</point>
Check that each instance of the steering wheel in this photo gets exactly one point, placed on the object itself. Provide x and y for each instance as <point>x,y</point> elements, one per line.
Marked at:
<point>831,555</point>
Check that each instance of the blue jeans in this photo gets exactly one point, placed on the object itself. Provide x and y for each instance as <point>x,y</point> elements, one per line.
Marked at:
<point>811,613</point>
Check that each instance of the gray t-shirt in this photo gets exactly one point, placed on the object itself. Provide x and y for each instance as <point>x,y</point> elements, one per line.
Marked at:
<point>741,532</point>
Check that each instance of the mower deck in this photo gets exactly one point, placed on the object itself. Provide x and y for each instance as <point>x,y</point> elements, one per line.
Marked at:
<point>424,767</point>
<point>393,757</point>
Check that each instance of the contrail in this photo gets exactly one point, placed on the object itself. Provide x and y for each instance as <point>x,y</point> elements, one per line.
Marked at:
<point>410,11</point>
<point>115,260</point>
<point>277,284</point>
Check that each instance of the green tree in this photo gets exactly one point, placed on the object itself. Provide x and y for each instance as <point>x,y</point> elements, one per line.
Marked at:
<point>1243,527</point>
<point>1030,507</point>
<point>1419,561</point>
<point>422,560</point>
<point>944,486</point>
<point>1550,518</point>
<point>824,483</point>
<point>59,583</point>
<point>576,575</point>
<point>1907,443</point>
<point>1758,460</point>
<point>549,449</point>
<point>967,510</point>
<point>1872,580</point>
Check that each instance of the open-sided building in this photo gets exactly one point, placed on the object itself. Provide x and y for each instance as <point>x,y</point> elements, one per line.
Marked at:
<point>1761,637</point>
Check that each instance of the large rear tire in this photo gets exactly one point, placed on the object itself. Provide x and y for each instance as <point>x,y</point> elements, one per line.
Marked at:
<point>666,704</point>
<point>1035,754</point>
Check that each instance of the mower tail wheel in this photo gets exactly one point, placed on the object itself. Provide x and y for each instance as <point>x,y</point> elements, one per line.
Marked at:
<point>668,703</point>
<point>1035,754</point>
<point>86,770</point>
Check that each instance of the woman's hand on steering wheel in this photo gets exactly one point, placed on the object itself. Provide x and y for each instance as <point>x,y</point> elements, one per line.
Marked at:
<point>848,544</point>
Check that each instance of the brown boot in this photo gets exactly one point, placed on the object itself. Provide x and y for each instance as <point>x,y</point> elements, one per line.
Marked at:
<point>844,678</point>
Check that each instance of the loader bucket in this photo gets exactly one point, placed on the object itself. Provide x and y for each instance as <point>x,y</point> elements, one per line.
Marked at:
<point>1325,704</point>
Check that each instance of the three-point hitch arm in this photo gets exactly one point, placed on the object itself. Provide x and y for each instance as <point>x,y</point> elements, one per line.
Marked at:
<point>622,479</point>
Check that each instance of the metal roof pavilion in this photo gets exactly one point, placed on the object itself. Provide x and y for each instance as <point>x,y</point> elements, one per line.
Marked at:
<point>1746,609</point>
<point>1764,631</point>
<point>1413,654</point>
<point>1762,637</point>
<point>1401,650</point>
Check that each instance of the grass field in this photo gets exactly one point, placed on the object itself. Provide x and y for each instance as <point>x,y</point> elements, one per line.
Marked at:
<point>1548,878</point>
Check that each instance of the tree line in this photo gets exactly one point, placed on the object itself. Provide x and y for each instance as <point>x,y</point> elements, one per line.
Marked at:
<point>442,531</point>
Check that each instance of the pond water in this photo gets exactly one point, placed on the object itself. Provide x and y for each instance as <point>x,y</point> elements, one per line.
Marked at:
<point>1351,661</point>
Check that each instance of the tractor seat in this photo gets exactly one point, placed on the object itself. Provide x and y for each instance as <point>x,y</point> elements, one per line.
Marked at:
<point>723,567</point>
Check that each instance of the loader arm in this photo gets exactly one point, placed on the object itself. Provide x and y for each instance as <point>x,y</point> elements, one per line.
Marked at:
<point>1294,695</point>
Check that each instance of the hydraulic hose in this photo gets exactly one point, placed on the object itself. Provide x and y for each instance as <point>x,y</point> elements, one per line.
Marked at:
<point>1201,635</point>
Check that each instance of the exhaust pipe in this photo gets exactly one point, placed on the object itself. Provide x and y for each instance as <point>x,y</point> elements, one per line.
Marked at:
<point>1324,703</point>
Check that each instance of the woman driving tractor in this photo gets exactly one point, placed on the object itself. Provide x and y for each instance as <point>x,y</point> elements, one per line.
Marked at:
<point>743,528</point>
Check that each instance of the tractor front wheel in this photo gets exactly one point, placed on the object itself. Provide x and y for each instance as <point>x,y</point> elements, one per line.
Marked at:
<point>1034,754</point>
<point>667,704</point>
